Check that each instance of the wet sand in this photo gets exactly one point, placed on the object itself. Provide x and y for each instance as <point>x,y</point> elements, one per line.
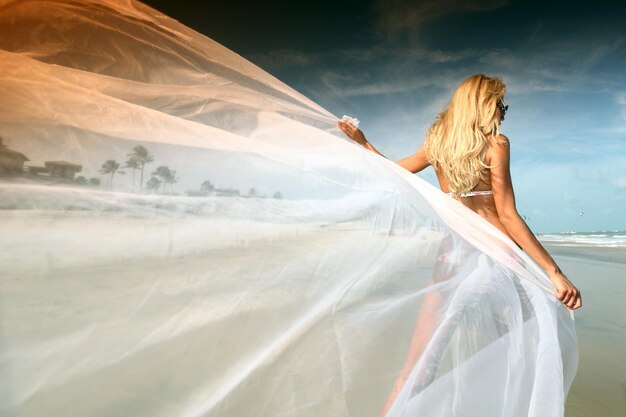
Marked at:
<point>599,388</point>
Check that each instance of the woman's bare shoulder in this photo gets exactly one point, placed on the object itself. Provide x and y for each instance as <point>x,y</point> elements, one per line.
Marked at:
<point>500,140</point>
<point>497,148</point>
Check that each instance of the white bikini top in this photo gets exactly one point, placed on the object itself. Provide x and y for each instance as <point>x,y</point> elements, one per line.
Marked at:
<point>473,193</point>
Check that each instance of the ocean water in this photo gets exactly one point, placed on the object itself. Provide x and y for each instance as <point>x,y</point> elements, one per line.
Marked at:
<point>604,239</point>
<point>606,246</point>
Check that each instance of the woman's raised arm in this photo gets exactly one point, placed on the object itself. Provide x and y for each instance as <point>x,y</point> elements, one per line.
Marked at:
<point>504,197</point>
<point>413,163</point>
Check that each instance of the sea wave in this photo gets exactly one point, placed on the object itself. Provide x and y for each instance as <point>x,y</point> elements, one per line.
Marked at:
<point>616,239</point>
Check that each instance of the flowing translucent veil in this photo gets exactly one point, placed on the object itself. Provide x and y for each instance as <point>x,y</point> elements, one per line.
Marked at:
<point>185,235</point>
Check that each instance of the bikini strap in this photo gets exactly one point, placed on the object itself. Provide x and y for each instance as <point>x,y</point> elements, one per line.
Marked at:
<point>473,193</point>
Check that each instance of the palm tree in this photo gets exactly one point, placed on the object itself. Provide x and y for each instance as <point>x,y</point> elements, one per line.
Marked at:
<point>143,157</point>
<point>164,173</point>
<point>153,183</point>
<point>133,164</point>
<point>111,167</point>
<point>172,179</point>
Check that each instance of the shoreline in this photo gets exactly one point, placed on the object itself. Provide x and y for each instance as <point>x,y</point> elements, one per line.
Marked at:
<point>613,255</point>
<point>599,387</point>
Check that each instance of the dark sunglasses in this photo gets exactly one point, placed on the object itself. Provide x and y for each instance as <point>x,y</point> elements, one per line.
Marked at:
<point>502,107</point>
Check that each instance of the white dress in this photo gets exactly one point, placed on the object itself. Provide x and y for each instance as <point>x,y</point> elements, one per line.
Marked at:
<point>249,261</point>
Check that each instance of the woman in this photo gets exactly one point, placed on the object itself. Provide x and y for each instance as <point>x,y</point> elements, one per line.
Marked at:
<point>471,160</point>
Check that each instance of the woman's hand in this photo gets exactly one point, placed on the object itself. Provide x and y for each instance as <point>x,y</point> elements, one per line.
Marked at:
<point>566,291</point>
<point>352,132</point>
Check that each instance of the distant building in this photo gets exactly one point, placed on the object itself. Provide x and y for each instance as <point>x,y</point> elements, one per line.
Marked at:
<point>226,192</point>
<point>217,192</point>
<point>36,170</point>
<point>62,169</point>
<point>11,162</point>
<point>197,193</point>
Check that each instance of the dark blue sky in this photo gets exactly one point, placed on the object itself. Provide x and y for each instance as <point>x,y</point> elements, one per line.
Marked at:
<point>394,64</point>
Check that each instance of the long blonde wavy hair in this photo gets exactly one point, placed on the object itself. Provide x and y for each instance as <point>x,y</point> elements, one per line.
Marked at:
<point>457,141</point>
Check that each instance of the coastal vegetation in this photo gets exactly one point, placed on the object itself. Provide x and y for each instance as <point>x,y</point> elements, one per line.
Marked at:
<point>162,179</point>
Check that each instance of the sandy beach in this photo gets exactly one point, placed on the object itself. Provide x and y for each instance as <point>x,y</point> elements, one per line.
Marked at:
<point>600,385</point>
<point>53,261</point>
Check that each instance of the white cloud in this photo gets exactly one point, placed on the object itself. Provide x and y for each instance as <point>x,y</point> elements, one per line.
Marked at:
<point>620,183</point>
<point>621,100</point>
<point>588,174</point>
<point>405,18</point>
<point>554,67</point>
<point>405,54</point>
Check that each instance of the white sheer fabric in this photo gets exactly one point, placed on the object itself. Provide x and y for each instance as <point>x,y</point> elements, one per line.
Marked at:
<point>160,294</point>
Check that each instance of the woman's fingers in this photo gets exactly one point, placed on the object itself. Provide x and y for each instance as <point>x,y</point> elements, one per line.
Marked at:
<point>347,128</point>
<point>579,302</point>
<point>576,300</point>
<point>569,296</point>
<point>562,293</point>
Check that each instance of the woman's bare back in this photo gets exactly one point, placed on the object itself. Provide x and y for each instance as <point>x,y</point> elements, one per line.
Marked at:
<point>483,205</point>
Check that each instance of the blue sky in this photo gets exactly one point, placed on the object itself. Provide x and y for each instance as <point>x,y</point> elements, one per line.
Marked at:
<point>394,64</point>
